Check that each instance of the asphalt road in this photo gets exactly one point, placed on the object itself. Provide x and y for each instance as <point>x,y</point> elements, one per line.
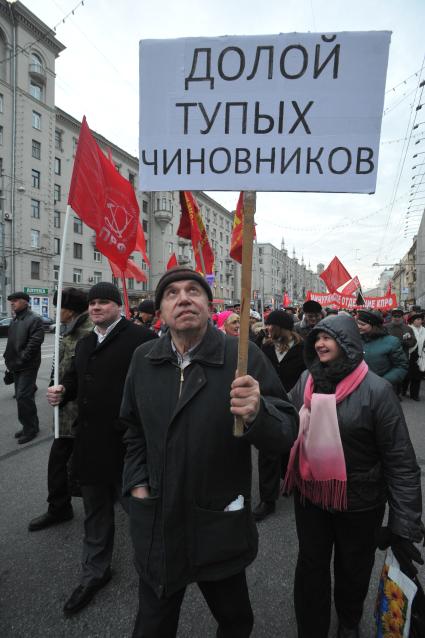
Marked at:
<point>39,570</point>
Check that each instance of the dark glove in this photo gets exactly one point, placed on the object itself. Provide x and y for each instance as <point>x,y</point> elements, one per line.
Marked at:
<point>403,549</point>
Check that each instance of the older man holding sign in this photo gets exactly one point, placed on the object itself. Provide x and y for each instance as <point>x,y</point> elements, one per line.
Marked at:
<point>188,476</point>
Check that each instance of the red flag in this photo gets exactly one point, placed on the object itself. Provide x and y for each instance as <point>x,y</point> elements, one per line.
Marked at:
<point>351,287</point>
<point>172,261</point>
<point>132,271</point>
<point>335,275</point>
<point>389,288</point>
<point>141,244</point>
<point>286,300</point>
<point>103,199</point>
<point>236,240</point>
<point>192,227</point>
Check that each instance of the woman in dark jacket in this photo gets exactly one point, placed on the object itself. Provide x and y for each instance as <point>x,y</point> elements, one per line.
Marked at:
<point>284,348</point>
<point>352,455</point>
<point>383,353</point>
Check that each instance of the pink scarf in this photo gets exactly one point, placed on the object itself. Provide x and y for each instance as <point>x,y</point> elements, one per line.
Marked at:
<point>320,473</point>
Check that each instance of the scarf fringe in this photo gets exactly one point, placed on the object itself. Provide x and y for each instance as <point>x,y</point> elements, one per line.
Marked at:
<point>330,494</point>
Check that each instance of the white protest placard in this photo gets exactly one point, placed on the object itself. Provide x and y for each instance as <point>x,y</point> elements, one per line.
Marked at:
<point>287,112</point>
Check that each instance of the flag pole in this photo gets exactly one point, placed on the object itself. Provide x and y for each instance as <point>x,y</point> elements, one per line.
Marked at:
<point>125,295</point>
<point>201,257</point>
<point>249,200</point>
<point>58,316</point>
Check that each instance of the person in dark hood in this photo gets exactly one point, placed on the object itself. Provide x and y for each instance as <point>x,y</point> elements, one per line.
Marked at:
<point>312,314</point>
<point>342,486</point>
<point>383,353</point>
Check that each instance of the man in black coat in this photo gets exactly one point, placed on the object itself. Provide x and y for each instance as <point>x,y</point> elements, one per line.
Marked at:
<point>96,380</point>
<point>188,477</point>
<point>23,357</point>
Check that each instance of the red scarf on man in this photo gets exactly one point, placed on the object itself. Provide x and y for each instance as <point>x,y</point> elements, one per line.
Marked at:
<point>317,463</point>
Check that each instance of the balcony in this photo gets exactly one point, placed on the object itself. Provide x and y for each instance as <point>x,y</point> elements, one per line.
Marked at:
<point>163,217</point>
<point>37,72</point>
<point>182,241</point>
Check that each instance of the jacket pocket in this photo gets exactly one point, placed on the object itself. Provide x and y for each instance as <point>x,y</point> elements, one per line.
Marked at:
<point>142,512</point>
<point>219,535</point>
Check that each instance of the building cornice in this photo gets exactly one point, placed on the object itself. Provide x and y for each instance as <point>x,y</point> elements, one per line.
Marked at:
<point>31,23</point>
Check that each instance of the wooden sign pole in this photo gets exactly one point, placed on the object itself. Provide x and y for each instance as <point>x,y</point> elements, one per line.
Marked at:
<point>249,199</point>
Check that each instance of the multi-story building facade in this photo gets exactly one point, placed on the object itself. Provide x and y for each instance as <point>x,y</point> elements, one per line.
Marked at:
<point>38,143</point>
<point>278,273</point>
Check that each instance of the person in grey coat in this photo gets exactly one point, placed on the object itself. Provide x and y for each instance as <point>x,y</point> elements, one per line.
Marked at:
<point>341,489</point>
<point>188,477</point>
<point>23,357</point>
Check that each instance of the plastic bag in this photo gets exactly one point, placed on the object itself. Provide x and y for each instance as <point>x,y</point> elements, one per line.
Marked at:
<point>393,607</point>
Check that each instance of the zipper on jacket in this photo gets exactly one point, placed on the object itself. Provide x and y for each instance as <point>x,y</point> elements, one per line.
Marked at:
<point>181,381</point>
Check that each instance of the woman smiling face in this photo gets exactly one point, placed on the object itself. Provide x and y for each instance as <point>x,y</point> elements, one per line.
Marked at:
<point>326,347</point>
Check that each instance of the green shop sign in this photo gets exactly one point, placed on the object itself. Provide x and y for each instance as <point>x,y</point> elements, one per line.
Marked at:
<point>36,291</point>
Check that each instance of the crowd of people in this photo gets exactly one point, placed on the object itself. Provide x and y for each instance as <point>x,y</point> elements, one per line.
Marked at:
<point>321,402</point>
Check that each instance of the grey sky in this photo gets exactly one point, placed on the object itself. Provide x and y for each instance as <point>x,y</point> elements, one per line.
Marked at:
<point>97,75</point>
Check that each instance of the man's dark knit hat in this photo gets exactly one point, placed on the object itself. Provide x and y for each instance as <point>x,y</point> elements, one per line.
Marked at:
<point>281,319</point>
<point>72,299</point>
<point>18,295</point>
<point>179,273</point>
<point>397,311</point>
<point>372,317</point>
<point>148,306</point>
<point>312,306</point>
<point>105,290</point>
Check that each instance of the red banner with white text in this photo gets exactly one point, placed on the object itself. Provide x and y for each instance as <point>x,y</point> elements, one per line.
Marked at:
<point>337,300</point>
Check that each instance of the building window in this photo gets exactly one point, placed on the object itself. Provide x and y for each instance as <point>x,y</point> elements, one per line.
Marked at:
<point>36,63</point>
<point>115,281</point>
<point>57,193</point>
<point>57,246</point>
<point>56,273</point>
<point>57,219</point>
<point>57,166</point>
<point>74,145</point>
<point>35,209</point>
<point>78,226</point>
<point>36,91</point>
<point>58,140</point>
<point>145,206</point>
<point>145,225</point>
<point>77,275</point>
<point>97,278</point>
<point>35,270</point>
<point>170,248</point>
<point>78,251</point>
<point>97,256</point>
<point>36,149</point>
<point>36,120</point>
<point>1,102</point>
<point>130,283</point>
<point>35,178</point>
<point>35,238</point>
<point>131,178</point>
